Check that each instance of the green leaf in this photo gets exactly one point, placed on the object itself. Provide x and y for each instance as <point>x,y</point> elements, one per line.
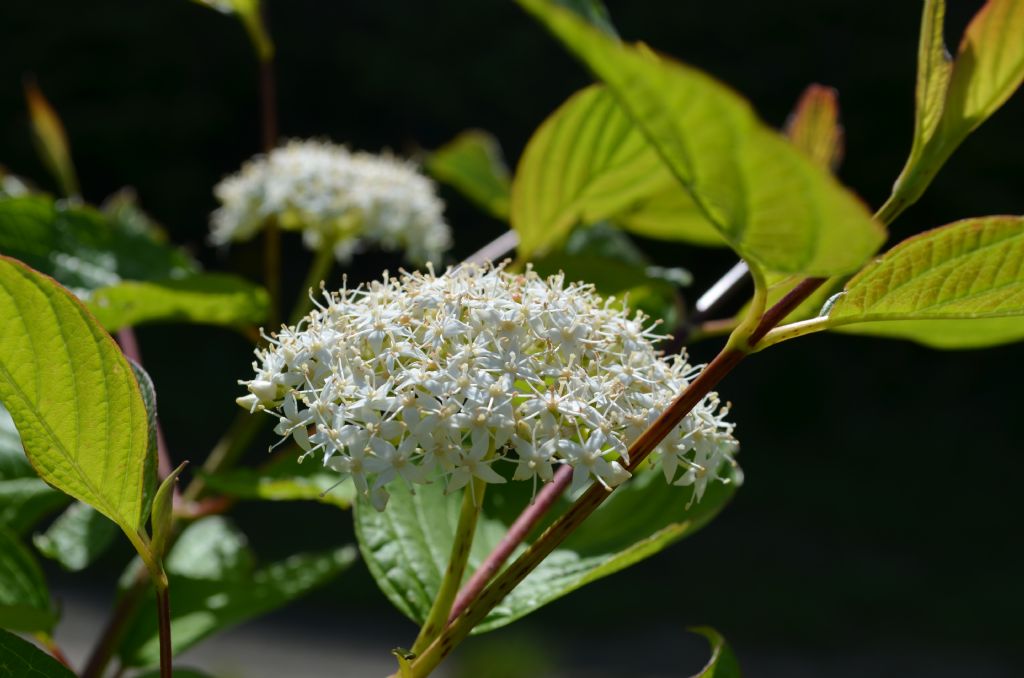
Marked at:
<point>21,659</point>
<point>953,99</point>
<point>163,503</point>
<point>50,139</point>
<point>284,479</point>
<point>248,12</point>
<point>814,127</point>
<point>77,538</point>
<point>205,298</point>
<point>406,547</point>
<point>473,164</point>
<point>24,599</point>
<point>588,162</point>
<point>594,12</point>
<point>767,199</point>
<point>723,662</point>
<point>957,286</point>
<point>24,498</point>
<point>214,585</point>
<point>73,397</point>
<point>80,247</point>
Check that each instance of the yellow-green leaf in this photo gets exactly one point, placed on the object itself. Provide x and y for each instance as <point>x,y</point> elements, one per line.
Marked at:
<point>587,162</point>
<point>51,141</point>
<point>957,286</point>
<point>814,127</point>
<point>722,663</point>
<point>767,199</point>
<point>73,397</point>
<point>473,164</point>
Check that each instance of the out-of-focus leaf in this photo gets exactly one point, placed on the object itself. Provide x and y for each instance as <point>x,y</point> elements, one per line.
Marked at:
<point>956,286</point>
<point>814,127</point>
<point>21,659</point>
<point>723,662</point>
<point>51,141</point>
<point>589,162</point>
<point>406,547</point>
<point>79,247</point>
<point>204,298</point>
<point>953,99</point>
<point>24,598</point>
<point>77,538</point>
<point>178,673</point>
<point>594,12</point>
<point>249,13</point>
<point>284,480</point>
<point>24,497</point>
<point>473,164</point>
<point>214,585</point>
<point>73,397</point>
<point>767,199</point>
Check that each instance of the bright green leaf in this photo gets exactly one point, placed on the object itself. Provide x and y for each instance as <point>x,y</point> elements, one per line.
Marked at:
<point>723,662</point>
<point>406,547</point>
<point>214,586</point>
<point>284,480</point>
<point>73,397</point>
<point>954,99</point>
<point>206,298</point>
<point>24,498</point>
<point>957,286</point>
<point>21,659</point>
<point>473,164</point>
<point>765,197</point>
<point>24,599</point>
<point>588,162</point>
<point>50,139</point>
<point>77,538</point>
<point>163,504</point>
<point>80,247</point>
<point>814,127</point>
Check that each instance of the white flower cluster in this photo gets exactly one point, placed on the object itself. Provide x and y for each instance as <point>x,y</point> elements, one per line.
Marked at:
<point>338,199</point>
<point>476,371</point>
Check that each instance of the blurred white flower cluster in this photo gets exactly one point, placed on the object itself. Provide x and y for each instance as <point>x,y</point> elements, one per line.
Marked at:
<point>338,199</point>
<point>485,374</point>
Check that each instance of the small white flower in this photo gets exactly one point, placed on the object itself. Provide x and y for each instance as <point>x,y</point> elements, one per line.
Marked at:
<point>336,198</point>
<point>460,373</point>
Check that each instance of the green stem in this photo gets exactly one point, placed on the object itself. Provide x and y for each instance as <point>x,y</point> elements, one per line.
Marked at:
<point>792,331</point>
<point>472,502</point>
<point>319,271</point>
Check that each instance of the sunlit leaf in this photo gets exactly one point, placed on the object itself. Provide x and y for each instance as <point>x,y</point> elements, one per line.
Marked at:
<point>51,141</point>
<point>589,162</point>
<point>73,397</point>
<point>954,99</point>
<point>406,547</point>
<point>77,538</point>
<point>284,480</point>
<point>473,164</point>
<point>21,659</point>
<point>723,662</point>
<point>24,498</point>
<point>24,598</point>
<point>814,127</point>
<point>215,585</point>
<point>957,286</point>
<point>769,201</point>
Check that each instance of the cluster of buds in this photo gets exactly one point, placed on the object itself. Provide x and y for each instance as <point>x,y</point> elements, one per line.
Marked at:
<point>481,373</point>
<point>338,199</point>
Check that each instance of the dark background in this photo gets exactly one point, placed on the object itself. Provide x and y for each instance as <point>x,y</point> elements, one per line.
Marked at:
<point>878,530</point>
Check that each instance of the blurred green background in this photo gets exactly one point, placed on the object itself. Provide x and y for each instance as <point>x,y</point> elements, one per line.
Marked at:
<point>878,530</point>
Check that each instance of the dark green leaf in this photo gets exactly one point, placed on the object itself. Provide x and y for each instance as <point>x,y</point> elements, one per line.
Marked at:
<point>73,397</point>
<point>472,163</point>
<point>406,547</point>
<point>214,585</point>
<point>21,659</point>
<point>24,497</point>
<point>766,198</point>
<point>957,286</point>
<point>78,537</point>
<point>723,662</point>
<point>24,598</point>
<point>284,480</point>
